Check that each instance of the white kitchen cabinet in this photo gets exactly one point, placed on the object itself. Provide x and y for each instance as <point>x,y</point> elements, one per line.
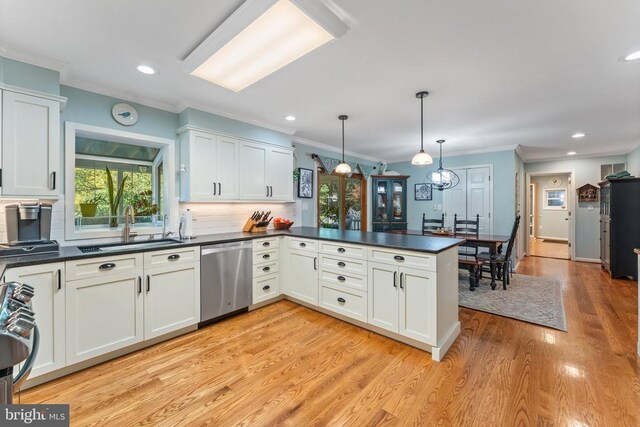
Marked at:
<point>303,278</point>
<point>384,307</point>
<point>266,287</point>
<point>280,174</point>
<point>171,298</point>
<point>211,163</point>
<point>30,145</point>
<point>253,171</point>
<point>103,314</point>
<point>48,305</point>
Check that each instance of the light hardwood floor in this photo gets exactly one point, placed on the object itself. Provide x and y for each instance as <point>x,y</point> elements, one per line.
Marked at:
<point>553,249</point>
<point>288,365</point>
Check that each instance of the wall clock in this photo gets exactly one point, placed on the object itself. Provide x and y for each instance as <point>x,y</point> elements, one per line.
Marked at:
<point>554,181</point>
<point>124,114</point>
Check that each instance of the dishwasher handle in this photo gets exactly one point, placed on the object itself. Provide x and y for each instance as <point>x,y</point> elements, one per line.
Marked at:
<point>226,247</point>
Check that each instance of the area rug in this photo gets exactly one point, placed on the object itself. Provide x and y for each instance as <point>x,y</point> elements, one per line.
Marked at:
<point>531,299</point>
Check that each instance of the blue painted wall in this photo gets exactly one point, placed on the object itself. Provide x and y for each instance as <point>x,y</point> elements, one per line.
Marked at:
<point>504,169</point>
<point>28,76</point>
<point>633,162</point>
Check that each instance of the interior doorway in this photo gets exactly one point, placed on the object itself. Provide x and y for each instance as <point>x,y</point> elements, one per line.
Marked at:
<point>549,215</point>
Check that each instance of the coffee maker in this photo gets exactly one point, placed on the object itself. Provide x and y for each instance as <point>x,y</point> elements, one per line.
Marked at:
<point>28,229</point>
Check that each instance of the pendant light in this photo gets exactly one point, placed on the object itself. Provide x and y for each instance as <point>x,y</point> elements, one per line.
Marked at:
<point>421,158</point>
<point>441,178</point>
<point>343,167</point>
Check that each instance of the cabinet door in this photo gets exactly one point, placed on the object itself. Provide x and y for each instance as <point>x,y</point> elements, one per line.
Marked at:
<point>171,299</point>
<point>418,305</point>
<point>383,296</point>
<point>30,145</point>
<point>103,314</point>
<point>252,178</point>
<point>202,149</point>
<point>48,304</point>
<point>280,174</point>
<point>304,276</point>
<point>227,168</point>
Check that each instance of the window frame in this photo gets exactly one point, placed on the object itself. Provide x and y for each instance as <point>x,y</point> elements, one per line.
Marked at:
<point>167,146</point>
<point>342,199</point>
<point>548,207</point>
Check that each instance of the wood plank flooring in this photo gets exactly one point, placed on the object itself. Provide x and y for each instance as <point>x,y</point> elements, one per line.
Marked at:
<point>549,249</point>
<point>288,365</point>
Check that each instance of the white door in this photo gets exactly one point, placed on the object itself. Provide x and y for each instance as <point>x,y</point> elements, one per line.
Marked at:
<point>252,178</point>
<point>304,276</point>
<point>383,296</point>
<point>171,298</point>
<point>479,197</point>
<point>103,314</point>
<point>202,152</point>
<point>227,168</point>
<point>30,145</point>
<point>418,305</point>
<point>280,174</point>
<point>48,305</point>
<point>454,200</point>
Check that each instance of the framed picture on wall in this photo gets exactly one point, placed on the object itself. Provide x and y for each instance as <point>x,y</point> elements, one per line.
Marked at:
<point>305,183</point>
<point>423,191</point>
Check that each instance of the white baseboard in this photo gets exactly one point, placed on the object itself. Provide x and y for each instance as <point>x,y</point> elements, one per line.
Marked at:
<point>594,260</point>
<point>560,239</point>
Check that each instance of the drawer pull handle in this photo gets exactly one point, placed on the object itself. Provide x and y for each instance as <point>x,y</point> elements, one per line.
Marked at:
<point>341,250</point>
<point>398,258</point>
<point>173,257</point>
<point>59,279</point>
<point>266,244</point>
<point>395,277</point>
<point>107,266</point>
<point>341,264</point>
<point>139,285</point>
<point>266,288</point>
<point>342,300</point>
<point>303,245</point>
<point>266,256</point>
<point>266,269</point>
<point>148,283</point>
<point>341,278</point>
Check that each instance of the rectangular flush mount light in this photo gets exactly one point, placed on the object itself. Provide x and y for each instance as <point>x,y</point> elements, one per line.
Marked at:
<point>261,37</point>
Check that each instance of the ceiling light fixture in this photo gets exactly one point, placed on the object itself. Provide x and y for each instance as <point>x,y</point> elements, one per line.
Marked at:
<point>442,178</point>
<point>290,118</point>
<point>578,135</point>
<point>261,37</point>
<point>632,56</point>
<point>571,153</point>
<point>145,69</point>
<point>421,158</point>
<point>343,167</point>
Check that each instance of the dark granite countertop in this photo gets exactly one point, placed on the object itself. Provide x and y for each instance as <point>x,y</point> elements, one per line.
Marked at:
<point>426,244</point>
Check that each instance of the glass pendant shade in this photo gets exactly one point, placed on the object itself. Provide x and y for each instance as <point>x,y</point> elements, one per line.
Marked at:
<point>441,178</point>
<point>342,168</point>
<point>421,158</point>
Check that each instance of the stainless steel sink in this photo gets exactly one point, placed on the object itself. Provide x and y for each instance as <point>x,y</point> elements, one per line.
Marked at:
<point>128,246</point>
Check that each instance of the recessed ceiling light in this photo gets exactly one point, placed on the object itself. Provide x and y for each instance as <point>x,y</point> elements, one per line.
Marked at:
<point>261,37</point>
<point>145,69</point>
<point>290,118</point>
<point>632,56</point>
<point>571,153</point>
<point>578,135</point>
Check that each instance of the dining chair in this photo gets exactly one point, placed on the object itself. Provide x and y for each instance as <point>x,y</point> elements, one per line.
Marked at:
<point>429,224</point>
<point>501,261</point>
<point>467,226</point>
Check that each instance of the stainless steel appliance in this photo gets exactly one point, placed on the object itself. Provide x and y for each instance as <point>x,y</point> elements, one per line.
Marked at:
<point>17,328</point>
<point>225,280</point>
<point>28,230</point>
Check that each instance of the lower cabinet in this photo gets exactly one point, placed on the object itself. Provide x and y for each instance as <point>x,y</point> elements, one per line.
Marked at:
<point>266,287</point>
<point>304,276</point>
<point>49,305</point>
<point>103,314</point>
<point>171,301</point>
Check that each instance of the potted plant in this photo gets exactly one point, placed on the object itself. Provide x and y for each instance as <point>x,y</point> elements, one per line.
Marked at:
<point>115,197</point>
<point>143,204</point>
<point>90,205</point>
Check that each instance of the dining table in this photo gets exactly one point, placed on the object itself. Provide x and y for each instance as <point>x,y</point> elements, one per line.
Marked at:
<point>492,242</point>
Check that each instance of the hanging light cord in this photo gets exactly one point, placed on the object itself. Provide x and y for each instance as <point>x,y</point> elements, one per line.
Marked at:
<point>421,124</point>
<point>342,140</point>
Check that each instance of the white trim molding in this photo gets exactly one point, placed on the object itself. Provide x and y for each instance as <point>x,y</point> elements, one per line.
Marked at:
<point>334,149</point>
<point>593,260</point>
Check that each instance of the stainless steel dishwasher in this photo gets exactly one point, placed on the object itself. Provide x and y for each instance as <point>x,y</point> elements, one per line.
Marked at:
<point>225,280</point>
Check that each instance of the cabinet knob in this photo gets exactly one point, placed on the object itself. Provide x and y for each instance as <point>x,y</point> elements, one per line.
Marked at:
<point>173,257</point>
<point>341,264</point>
<point>107,266</point>
<point>266,244</point>
<point>303,245</point>
<point>341,278</point>
<point>266,269</point>
<point>398,258</point>
<point>341,250</point>
<point>266,288</point>
<point>266,256</point>
<point>342,300</point>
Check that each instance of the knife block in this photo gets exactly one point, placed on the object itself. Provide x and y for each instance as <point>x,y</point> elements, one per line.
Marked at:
<point>251,227</point>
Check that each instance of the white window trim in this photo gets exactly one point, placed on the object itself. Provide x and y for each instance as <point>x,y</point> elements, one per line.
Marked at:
<point>546,200</point>
<point>167,145</point>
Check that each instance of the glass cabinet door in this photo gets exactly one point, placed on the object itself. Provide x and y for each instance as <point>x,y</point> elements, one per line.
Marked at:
<point>382,199</point>
<point>397,211</point>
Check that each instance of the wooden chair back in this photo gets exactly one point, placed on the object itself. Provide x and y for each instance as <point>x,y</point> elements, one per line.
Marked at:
<point>466,226</point>
<point>429,224</point>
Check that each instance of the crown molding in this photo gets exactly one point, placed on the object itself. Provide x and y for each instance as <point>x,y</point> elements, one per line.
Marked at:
<point>61,99</point>
<point>623,152</point>
<point>39,61</point>
<point>467,152</point>
<point>334,149</point>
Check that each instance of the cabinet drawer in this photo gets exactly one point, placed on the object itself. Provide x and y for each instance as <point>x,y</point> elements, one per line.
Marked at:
<point>171,256</point>
<point>103,266</point>
<point>266,256</point>
<point>348,303</point>
<point>342,280</point>
<point>338,264</point>
<point>266,243</point>
<point>403,258</point>
<point>350,251</point>
<point>303,244</point>
<point>266,287</point>
<point>266,268</point>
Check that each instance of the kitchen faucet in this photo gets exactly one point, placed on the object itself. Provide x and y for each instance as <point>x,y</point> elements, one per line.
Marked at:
<point>129,218</point>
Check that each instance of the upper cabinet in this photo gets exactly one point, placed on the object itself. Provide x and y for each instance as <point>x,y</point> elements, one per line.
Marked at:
<point>221,168</point>
<point>30,156</point>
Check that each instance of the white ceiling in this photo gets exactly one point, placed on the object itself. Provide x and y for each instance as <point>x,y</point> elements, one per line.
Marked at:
<point>501,73</point>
